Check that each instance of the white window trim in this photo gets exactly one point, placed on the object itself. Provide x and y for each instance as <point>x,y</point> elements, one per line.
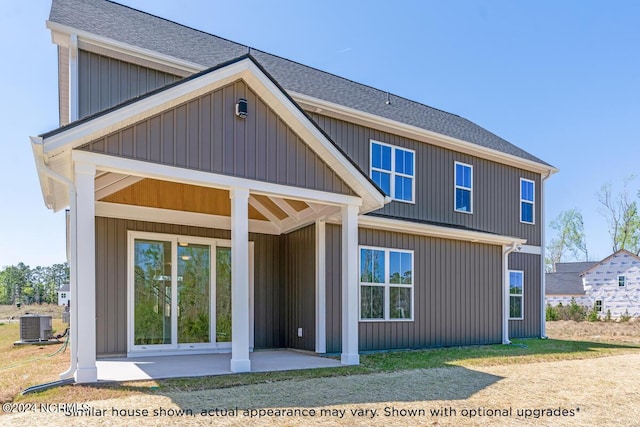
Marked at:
<point>387,286</point>
<point>456,187</point>
<point>175,347</point>
<point>516,295</point>
<point>595,304</point>
<point>392,172</point>
<point>624,281</point>
<point>531,202</point>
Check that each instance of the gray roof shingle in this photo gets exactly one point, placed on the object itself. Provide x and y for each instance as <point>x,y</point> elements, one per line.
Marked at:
<point>124,24</point>
<point>566,279</point>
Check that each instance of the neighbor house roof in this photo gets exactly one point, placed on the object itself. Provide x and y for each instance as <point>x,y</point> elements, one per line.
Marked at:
<point>64,288</point>
<point>566,279</point>
<point>564,284</point>
<point>136,28</point>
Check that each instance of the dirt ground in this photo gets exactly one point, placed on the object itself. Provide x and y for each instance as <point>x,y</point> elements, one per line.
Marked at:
<point>600,392</point>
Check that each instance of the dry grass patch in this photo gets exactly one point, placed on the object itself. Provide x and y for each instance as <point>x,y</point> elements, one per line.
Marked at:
<point>610,332</point>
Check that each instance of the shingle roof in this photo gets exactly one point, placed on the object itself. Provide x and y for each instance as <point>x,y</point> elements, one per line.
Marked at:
<point>564,284</point>
<point>124,24</point>
<point>566,279</point>
<point>574,267</point>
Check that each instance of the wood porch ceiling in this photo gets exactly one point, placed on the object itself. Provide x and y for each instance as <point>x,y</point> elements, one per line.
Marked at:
<point>147,192</point>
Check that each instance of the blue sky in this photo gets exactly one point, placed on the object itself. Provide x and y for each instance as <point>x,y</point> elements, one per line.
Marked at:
<point>559,79</point>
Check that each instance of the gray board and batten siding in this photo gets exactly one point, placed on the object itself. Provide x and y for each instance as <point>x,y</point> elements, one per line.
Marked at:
<point>104,82</point>
<point>111,281</point>
<point>530,325</point>
<point>457,293</point>
<point>205,134</point>
<point>496,187</point>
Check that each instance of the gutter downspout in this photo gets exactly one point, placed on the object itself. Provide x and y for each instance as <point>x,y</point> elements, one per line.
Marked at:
<point>543,282</point>
<point>505,291</point>
<point>37,145</point>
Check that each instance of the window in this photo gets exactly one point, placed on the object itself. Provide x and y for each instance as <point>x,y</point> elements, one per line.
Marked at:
<point>463,187</point>
<point>527,201</point>
<point>622,281</point>
<point>386,284</point>
<point>63,295</point>
<point>516,295</point>
<point>392,168</point>
<point>598,306</point>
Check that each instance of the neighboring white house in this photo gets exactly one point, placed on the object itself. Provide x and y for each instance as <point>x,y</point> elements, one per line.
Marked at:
<point>613,284</point>
<point>63,294</point>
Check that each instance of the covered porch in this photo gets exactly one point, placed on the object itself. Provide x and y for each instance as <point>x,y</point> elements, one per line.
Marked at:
<point>183,162</point>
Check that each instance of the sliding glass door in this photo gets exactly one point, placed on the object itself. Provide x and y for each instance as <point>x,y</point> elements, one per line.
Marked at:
<point>180,293</point>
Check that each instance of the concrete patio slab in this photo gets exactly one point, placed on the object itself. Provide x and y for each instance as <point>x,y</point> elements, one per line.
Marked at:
<point>197,365</point>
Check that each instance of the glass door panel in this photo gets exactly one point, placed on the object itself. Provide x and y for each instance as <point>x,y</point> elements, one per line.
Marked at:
<point>223,294</point>
<point>152,292</point>
<point>193,293</point>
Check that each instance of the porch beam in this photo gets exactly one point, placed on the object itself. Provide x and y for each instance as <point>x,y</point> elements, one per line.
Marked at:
<point>85,304</point>
<point>212,180</point>
<point>350,354</point>
<point>286,207</point>
<point>240,330</point>
<point>264,211</point>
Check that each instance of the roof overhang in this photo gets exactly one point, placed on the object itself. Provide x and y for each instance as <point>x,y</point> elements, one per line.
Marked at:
<point>413,132</point>
<point>397,225</point>
<point>103,45</point>
<point>56,146</point>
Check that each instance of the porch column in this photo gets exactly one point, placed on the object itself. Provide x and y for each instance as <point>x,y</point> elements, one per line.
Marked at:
<point>85,305</point>
<point>240,280</point>
<point>350,354</point>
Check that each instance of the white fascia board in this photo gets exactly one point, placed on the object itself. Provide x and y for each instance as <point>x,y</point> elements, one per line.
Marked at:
<point>414,132</point>
<point>169,216</point>
<point>60,36</point>
<point>532,250</point>
<point>436,231</point>
<point>207,179</point>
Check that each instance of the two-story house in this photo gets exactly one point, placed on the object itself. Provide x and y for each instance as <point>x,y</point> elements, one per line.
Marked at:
<point>225,199</point>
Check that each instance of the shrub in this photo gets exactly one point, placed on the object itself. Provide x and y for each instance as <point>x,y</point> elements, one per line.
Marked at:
<point>592,316</point>
<point>625,317</point>
<point>552,313</point>
<point>607,318</point>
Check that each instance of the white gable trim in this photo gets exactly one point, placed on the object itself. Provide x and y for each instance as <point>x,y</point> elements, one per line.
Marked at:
<point>82,133</point>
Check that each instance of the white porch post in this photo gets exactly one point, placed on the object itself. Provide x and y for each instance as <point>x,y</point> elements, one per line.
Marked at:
<point>321,305</point>
<point>86,371</point>
<point>240,330</point>
<point>350,354</point>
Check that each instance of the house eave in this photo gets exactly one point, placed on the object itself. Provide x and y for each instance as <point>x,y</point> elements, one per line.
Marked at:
<point>398,225</point>
<point>60,35</point>
<point>371,120</point>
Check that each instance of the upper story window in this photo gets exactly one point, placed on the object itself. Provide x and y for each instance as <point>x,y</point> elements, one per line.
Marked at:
<point>392,168</point>
<point>622,281</point>
<point>527,201</point>
<point>463,187</point>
